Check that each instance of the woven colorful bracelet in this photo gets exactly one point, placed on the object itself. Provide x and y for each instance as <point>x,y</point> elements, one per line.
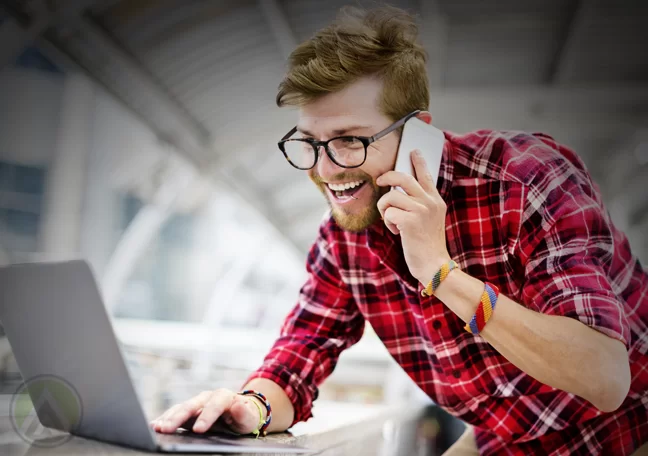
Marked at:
<point>439,277</point>
<point>262,430</point>
<point>484,310</point>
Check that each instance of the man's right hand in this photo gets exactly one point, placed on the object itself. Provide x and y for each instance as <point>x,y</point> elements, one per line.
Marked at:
<point>210,409</point>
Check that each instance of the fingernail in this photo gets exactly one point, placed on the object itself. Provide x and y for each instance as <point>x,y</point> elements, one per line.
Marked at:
<point>200,424</point>
<point>417,153</point>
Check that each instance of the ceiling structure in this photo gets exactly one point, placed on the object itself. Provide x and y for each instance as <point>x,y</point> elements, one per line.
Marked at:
<point>203,75</point>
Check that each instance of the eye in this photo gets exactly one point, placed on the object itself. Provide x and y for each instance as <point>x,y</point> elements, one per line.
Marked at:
<point>350,141</point>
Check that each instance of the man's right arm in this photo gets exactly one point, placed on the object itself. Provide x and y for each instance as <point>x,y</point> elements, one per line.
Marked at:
<point>239,413</point>
<point>324,322</point>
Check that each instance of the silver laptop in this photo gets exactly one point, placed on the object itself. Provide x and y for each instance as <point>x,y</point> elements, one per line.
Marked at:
<point>59,329</point>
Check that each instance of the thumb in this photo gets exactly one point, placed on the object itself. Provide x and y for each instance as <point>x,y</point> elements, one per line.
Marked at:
<point>244,414</point>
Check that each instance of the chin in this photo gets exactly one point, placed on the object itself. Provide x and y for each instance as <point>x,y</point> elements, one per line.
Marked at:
<point>358,221</point>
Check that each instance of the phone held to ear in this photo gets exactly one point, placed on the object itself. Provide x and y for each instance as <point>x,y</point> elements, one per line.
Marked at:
<point>427,139</point>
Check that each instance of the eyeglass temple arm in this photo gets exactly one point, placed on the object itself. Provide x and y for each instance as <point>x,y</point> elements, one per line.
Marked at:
<point>290,133</point>
<point>375,137</point>
<point>394,126</point>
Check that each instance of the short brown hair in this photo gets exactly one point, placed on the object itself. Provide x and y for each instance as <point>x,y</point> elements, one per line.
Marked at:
<point>378,42</point>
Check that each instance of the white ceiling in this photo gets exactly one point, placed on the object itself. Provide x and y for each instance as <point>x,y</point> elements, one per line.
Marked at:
<point>203,75</point>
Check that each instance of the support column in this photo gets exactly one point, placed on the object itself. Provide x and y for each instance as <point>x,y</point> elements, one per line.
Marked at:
<point>66,177</point>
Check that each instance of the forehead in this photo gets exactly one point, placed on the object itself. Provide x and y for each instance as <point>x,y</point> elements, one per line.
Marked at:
<point>357,104</point>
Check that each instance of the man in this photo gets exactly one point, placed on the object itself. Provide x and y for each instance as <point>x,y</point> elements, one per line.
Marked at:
<point>561,366</point>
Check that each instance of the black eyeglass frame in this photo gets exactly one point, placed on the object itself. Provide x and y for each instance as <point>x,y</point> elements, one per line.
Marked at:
<point>365,140</point>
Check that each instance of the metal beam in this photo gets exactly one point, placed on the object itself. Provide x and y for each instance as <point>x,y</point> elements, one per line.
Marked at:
<point>97,53</point>
<point>14,37</point>
<point>225,291</point>
<point>433,33</point>
<point>279,25</point>
<point>610,99</point>
<point>559,68</point>
<point>141,231</point>
<point>106,61</point>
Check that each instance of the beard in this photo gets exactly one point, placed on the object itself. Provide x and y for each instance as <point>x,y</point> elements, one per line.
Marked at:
<point>357,219</point>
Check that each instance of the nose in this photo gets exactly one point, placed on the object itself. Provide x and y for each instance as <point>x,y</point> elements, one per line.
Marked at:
<point>325,166</point>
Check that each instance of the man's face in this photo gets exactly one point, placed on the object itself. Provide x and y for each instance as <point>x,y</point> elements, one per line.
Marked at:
<point>353,111</point>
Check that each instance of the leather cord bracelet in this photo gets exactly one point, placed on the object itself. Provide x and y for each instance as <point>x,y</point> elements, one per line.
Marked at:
<point>263,425</point>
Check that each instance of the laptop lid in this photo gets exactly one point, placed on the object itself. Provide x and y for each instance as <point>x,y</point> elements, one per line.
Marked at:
<point>65,346</point>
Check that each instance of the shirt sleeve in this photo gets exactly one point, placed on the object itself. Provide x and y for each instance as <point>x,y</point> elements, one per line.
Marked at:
<point>324,322</point>
<point>566,242</point>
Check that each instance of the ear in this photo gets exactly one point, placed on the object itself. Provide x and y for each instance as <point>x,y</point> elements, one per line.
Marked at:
<point>425,116</point>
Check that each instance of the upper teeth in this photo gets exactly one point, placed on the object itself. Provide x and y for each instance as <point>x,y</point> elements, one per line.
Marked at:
<point>341,187</point>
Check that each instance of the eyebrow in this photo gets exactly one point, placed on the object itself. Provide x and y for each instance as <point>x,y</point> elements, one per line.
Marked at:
<point>338,132</point>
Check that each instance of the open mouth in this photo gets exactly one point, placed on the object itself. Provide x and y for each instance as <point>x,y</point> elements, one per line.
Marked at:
<point>346,192</point>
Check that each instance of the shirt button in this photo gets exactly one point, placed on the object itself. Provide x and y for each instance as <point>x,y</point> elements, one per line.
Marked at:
<point>456,373</point>
<point>436,324</point>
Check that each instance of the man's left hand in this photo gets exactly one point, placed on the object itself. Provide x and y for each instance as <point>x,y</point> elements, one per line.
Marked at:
<point>418,215</point>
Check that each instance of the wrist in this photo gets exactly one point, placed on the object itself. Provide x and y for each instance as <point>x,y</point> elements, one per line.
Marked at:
<point>431,268</point>
<point>260,405</point>
<point>263,423</point>
<point>461,293</point>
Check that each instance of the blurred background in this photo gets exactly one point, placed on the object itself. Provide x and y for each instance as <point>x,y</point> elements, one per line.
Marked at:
<point>141,135</point>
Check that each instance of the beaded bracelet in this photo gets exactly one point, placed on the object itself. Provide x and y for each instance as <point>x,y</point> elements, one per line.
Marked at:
<point>484,309</point>
<point>439,277</point>
<point>264,424</point>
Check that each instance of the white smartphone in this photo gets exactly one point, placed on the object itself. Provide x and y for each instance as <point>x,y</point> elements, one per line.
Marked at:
<point>424,137</point>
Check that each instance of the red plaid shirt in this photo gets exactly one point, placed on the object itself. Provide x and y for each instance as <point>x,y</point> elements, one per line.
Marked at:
<point>524,214</point>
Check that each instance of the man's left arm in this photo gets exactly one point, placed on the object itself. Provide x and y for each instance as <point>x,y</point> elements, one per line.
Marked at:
<point>556,350</point>
<point>565,287</point>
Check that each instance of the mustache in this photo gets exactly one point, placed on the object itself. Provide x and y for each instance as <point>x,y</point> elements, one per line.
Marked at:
<point>341,177</point>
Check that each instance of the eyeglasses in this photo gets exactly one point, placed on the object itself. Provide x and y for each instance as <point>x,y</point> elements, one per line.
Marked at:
<point>344,151</point>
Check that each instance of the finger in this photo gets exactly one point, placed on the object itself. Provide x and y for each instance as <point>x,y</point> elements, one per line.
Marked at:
<point>244,416</point>
<point>405,181</point>
<point>396,217</point>
<point>393,228</point>
<point>390,226</point>
<point>218,403</point>
<point>179,414</point>
<point>397,199</point>
<point>162,418</point>
<point>421,172</point>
